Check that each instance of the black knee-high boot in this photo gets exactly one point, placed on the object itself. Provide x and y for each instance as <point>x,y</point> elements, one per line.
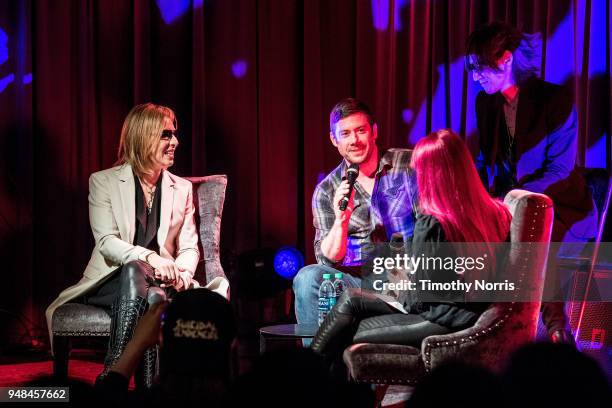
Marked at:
<point>125,313</point>
<point>335,332</point>
<point>341,323</point>
<point>148,368</point>
<point>127,308</point>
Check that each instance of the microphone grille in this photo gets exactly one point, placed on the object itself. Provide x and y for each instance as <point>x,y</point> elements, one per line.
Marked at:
<point>352,172</point>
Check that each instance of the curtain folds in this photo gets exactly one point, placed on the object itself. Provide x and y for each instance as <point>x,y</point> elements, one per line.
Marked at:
<point>252,83</point>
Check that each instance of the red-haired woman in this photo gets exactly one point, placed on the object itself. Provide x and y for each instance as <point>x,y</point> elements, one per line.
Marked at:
<point>453,207</point>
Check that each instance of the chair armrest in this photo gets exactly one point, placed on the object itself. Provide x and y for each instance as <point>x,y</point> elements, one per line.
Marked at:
<point>499,331</point>
<point>218,285</point>
<point>464,343</point>
<point>210,197</point>
<point>214,270</point>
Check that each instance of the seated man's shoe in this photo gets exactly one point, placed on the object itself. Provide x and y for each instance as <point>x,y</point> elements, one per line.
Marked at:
<point>562,337</point>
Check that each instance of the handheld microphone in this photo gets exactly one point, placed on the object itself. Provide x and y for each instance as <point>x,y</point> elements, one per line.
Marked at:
<point>351,175</point>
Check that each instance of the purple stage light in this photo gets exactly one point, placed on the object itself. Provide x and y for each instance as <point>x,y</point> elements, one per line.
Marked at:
<point>320,177</point>
<point>172,9</point>
<point>380,14</point>
<point>287,262</point>
<point>3,47</point>
<point>407,115</point>
<point>4,82</point>
<point>239,68</point>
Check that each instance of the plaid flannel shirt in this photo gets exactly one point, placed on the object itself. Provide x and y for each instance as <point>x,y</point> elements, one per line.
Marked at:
<point>389,209</point>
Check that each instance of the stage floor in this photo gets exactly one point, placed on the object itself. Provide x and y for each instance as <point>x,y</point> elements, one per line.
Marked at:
<point>17,369</point>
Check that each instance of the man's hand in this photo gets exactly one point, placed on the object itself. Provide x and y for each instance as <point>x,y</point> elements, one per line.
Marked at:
<point>333,246</point>
<point>184,280</point>
<point>341,191</point>
<point>165,269</point>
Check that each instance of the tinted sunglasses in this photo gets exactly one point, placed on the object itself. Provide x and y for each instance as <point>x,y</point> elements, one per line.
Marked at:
<point>167,134</point>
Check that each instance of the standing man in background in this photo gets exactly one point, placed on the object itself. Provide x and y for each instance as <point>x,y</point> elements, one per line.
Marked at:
<point>527,136</point>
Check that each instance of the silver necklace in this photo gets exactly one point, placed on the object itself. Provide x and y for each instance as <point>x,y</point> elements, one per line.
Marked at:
<point>510,108</point>
<point>152,196</point>
<point>151,191</point>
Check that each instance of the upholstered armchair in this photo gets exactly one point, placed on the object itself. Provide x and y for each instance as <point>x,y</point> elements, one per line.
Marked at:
<point>209,198</point>
<point>503,327</point>
<point>74,321</point>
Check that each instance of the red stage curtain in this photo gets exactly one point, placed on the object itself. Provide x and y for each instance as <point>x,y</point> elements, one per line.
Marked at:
<point>252,83</point>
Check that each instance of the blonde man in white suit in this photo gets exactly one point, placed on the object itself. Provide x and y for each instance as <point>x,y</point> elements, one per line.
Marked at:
<point>142,219</point>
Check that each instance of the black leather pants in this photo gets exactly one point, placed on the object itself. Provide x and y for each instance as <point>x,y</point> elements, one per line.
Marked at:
<point>132,289</point>
<point>362,317</point>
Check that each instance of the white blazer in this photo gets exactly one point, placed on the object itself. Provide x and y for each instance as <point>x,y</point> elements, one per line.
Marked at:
<point>112,216</point>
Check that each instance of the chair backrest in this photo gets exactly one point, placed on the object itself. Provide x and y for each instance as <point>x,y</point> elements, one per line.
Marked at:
<point>530,232</point>
<point>208,197</point>
<point>509,323</point>
<point>532,216</point>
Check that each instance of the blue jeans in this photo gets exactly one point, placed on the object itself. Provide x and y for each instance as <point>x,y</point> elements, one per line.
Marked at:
<point>306,289</point>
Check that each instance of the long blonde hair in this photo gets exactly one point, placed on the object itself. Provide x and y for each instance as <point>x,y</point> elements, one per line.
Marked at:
<point>140,135</point>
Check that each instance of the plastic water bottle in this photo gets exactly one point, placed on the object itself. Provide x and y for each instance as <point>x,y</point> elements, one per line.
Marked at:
<point>338,286</point>
<point>327,297</point>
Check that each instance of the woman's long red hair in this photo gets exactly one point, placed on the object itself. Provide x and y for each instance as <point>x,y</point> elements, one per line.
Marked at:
<point>451,191</point>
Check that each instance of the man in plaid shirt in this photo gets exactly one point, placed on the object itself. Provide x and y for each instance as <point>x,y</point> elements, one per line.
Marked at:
<point>382,203</point>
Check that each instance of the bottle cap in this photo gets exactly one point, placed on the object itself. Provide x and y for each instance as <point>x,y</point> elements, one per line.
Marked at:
<point>326,276</point>
<point>338,275</point>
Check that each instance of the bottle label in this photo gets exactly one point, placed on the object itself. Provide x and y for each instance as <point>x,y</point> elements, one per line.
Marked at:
<point>324,304</point>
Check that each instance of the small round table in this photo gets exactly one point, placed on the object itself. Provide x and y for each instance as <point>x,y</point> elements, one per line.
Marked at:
<point>285,332</point>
